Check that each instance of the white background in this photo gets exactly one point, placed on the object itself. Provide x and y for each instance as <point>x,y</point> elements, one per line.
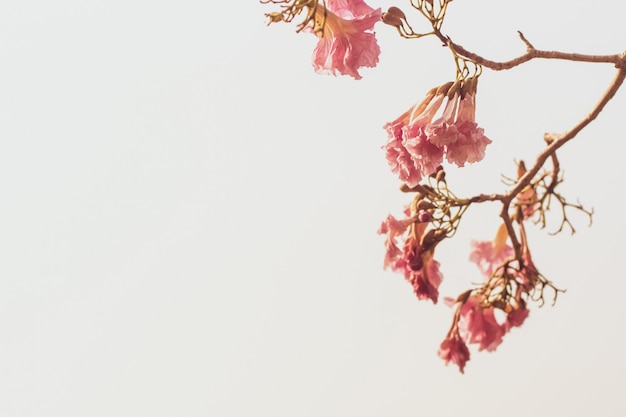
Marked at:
<point>188,216</point>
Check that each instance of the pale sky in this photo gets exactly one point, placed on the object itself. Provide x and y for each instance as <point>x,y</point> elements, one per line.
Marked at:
<point>189,215</point>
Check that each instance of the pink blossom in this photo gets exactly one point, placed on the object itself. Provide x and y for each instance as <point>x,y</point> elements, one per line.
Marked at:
<point>443,131</point>
<point>347,42</point>
<point>398,157</point>
<point>516,317</point>
<point>471,141</point>
<point>426,280</point>
<point>488,257</point>
<point>393,228</point>
<point>426,156</point>
<point>408,151</point>
<point>415,262</point>
<point>453,349</point>
<point>478,325</point>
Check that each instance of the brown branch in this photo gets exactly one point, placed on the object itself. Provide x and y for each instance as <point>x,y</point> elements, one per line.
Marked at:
<point>531,53</point>
<point>560,140</point>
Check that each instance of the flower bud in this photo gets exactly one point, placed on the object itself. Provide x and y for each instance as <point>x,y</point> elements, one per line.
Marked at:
<point>393,17</point>
<point>424,217</point>
<point>425,205</point>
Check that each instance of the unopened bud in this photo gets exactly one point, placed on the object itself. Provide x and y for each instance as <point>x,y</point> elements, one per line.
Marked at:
<point>391,20</point>
<point>441,176</point>
<point>396,12</point>
<point>424,217</point>
<point>425,205</point>
<point>393,17</point>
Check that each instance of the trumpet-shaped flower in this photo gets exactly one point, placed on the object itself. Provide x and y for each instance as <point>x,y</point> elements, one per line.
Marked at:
<point>410,155</point>
<point>418,142</point>
<point>470,141</point>
<point>399,158</point>
<point>347,41</point>
<point>443,131</point>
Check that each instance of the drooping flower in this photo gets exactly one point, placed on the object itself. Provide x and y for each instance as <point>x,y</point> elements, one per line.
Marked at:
<point>410,155</point>
<point>443,131</point>
<point>426,280</point>
<point>489,255</point>
<point>470,141</point>
<point>398,157</point>
<point>416,258</point>
<point>453,349</point>
<point>393,228</point>
<point>478,324</point>
<point>517,316</point>
<point>347,41</point>
<point>418,141</point>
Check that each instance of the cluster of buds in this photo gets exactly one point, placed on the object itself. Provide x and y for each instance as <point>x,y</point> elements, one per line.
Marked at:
<point>435,14</point>
<point>432,216</point>
<point>418,141</point>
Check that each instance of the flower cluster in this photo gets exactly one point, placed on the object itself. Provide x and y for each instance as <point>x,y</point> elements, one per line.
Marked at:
<point>410,242</point>
<point>416,258</point>
<point>418,141</point>
<point>345,31</point>
<point>509,282</point>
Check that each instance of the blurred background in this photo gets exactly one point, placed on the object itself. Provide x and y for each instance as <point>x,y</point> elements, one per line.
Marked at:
<point>189,213</point>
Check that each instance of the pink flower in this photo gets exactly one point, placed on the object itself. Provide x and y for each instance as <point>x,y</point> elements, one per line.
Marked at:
<point>488,257</point>
<point>453,349</point>
<point>424,154</point>
<point>443,130</point>
<point>415,259</point>
<point>408,151</point>
<point>347,42</point>
<point>516,317</point>
<point>417,143</point>
<point>398,157</point>
<point>426,280</point>
<point>491,255</point>
<point>393,228</point>
<point>479,325</point>
<point>471,141</point>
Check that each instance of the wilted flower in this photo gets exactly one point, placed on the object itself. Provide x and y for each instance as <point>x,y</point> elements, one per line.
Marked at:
<point>478,324</point>
<point>453,349</point>
<point>489,255</point>
<point>415,260</point>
